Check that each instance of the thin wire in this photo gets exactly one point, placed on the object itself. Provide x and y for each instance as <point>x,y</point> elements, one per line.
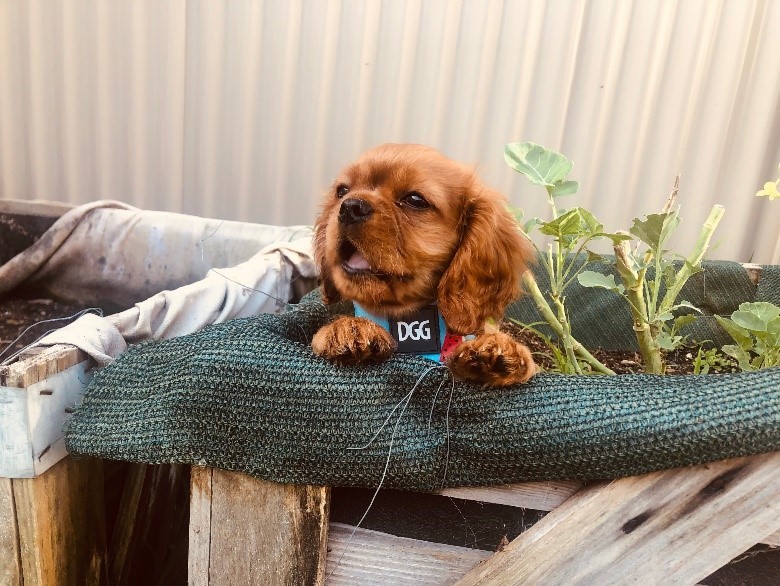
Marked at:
<point>414,388</point>
<point>405,401</point>
<point>216,272</point>
<point>95,310</point>
<point>447,432</point>
<point>435,398</point>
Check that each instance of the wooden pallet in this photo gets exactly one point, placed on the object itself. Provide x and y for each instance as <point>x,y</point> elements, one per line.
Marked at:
<point>673,526</point>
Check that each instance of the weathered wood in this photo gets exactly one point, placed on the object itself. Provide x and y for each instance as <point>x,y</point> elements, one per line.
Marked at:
<point>674,526</point>
<point>773,539</point>
<point>249,531</point>
<point>40,365</point>
<point>61,524</point>
<point>541,496</point>
<point>10,561</point>
<point>41,393</point>
<point>372,557</point>
<point>753,272</point>
<point>200,526</point>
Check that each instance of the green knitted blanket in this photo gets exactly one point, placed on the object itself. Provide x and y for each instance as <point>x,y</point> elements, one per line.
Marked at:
<point>250,395</point>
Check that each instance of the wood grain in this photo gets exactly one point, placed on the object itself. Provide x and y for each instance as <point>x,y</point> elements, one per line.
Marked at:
<point>35,367</point>
<point>10,561</point>
<point>540,496</point>
<point>259,532</point>
<point>773,539</point>
<point>61,524</point>
<point>674,526</point>
<point>372,557</point>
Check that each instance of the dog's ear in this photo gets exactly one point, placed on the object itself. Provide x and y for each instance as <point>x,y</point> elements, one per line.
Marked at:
<point>484,275</point>
<point>329,292</point>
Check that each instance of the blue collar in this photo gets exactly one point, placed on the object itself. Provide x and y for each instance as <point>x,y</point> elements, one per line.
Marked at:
<point>413,332</point>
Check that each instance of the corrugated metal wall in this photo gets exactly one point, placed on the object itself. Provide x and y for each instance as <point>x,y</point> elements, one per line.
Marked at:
<point>247,109</point>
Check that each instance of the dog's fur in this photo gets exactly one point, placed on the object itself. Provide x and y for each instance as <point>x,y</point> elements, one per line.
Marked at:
<point>404,226</point>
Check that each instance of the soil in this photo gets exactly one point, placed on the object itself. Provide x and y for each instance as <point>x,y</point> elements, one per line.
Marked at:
<point>24,320</point>
<point>679,361</point>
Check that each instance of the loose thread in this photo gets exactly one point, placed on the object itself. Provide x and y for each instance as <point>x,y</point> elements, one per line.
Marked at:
<point>405,401</point>
<point>447,432</point>
<point>78,314</point>
<point>216,272</point>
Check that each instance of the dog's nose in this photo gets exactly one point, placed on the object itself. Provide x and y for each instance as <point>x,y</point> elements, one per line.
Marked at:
<point>354,210</point>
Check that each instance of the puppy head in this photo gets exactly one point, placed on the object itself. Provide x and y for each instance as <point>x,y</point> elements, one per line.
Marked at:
<point>403,226</point>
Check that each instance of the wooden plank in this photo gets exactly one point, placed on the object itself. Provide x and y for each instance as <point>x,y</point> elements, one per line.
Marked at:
<point>753,272</point>
<point>773,539</point>
<point>259,532</point>
<point>32,419</point>
<point>11,566</point>
<point>372,557</point>
<point>61,524</point>
<point>200,526</point>
<point>32,369</point>
<point>674,526</point>
<point>540,496</point>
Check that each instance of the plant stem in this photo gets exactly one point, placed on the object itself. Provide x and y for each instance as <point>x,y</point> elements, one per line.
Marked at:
<point>694,260</point>
<point>651,352</point>
<point>552,320</point>
<point>567,340</point>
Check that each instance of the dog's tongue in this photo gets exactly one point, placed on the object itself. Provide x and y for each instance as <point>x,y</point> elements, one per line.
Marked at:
<point>358,262</point>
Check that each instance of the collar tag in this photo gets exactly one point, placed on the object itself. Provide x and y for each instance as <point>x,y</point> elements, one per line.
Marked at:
<point>419,332</point>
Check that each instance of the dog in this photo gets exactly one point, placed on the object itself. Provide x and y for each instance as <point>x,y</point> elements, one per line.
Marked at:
<point>429,256</point>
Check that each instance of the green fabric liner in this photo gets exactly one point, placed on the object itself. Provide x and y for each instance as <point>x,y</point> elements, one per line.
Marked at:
<point>250,395</point>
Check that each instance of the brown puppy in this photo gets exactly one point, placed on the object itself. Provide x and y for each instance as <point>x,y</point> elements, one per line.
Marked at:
<point>404,227</point>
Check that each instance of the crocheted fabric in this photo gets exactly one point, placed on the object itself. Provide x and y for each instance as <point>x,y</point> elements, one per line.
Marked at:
<point>250,395</point>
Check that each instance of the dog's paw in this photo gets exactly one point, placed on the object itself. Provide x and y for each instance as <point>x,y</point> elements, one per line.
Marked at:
<point>353,340</point>
<point>494,360</point>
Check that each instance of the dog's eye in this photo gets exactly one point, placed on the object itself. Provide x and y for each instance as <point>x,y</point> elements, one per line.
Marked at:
<point>342,190</point>
<point>415,200</point>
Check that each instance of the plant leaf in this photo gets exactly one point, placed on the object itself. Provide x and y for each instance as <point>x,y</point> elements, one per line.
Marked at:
<point>667,342</point>
<point>742,357</point>
<point>594,279</point>
<point>569,187</point>
<point>614,237</point>
<point>594,256</point>
<point>655,228</point>
<point>531,224</point>
<point>590,225</point>
<point>684,320</point>
<point>567,224</point>
<point>741,335</point>
<point>540,165</point>
<point>755,316</point>
<point>686,304</point>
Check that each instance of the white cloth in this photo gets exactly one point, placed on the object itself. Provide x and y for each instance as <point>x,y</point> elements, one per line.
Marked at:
<point>263,284</point>
<point>158,265</point>
<point>110,254</point>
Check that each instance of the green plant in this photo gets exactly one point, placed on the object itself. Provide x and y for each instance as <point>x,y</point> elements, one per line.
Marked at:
<point>710,359</point>
<point>755,328</point>
<point>571,232</point>
<point>654,296</point>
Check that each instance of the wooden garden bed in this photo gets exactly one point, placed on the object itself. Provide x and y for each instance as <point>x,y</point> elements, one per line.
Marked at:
<point>671,526</point>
